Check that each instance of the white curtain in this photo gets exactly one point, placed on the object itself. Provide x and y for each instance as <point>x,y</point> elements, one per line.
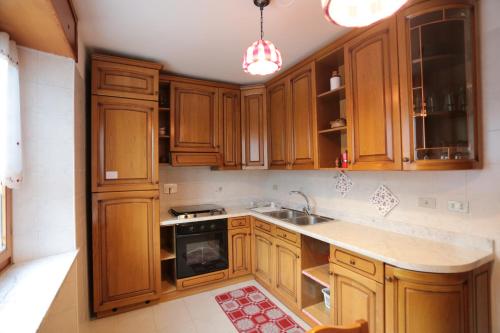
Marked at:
<point>11,162</point>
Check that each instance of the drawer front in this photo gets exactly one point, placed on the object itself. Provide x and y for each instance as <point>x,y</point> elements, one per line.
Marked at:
<point>263,226</point>
<point>202,279</point>
<point>370,268</point>
<point>196,159</point>
<point>120,80</point>
<point>287,235</point>
<point>238,222</point>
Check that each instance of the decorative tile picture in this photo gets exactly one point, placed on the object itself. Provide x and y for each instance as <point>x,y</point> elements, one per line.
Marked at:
<point>384,200</point>
<point>344,184</point>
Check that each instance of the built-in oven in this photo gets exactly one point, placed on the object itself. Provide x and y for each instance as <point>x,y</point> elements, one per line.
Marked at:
<point>201,247</point>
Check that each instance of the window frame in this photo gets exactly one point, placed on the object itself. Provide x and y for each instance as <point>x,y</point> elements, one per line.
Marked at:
<point>6,255</point>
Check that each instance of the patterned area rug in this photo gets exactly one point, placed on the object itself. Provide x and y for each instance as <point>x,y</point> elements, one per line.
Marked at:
<point>251,311</point>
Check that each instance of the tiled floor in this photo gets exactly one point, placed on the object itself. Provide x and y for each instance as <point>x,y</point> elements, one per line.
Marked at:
<point>193,314</point>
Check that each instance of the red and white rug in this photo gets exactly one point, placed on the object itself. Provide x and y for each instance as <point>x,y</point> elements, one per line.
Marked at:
<point>251,311</point>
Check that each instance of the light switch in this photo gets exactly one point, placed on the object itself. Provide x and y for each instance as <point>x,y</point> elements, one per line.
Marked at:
<point>458,206</point>
<point>169,188</point>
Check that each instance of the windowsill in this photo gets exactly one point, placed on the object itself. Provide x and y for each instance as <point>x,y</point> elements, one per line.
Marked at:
<point>28,289</point>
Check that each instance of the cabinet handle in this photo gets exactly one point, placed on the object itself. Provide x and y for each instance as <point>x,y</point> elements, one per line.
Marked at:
<point>330,273</point>
<point>284,235</point>
<point>406,159</point>
<point>298,257</point>
<point>389,279</point>
<point>352,262</point>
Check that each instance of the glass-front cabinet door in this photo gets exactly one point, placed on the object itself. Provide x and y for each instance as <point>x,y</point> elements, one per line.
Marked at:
<point>440,113</point>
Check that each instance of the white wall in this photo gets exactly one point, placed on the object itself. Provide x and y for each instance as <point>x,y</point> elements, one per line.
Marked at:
<point>44,209</point>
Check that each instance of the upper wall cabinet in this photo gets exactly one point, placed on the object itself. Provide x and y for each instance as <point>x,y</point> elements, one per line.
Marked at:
<point>124,149</point>
<point>194,122</point>
<point>254,128</point>
<point>118,77</point>
<point>373,98</point>
<point>45,25</point>
<point>439,85</point>
<point>230,130</point>
<point>291,121</point>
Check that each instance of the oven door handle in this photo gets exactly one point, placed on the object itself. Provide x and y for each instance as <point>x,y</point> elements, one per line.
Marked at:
<point>201,234</point>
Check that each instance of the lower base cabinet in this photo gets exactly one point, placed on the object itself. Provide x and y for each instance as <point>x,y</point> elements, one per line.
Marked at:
<point>239,252</point>
<point>288,272</point>
<point>356,297</point>
<point>125,249</point>
<point>432,303</point>
<point>263,258</point>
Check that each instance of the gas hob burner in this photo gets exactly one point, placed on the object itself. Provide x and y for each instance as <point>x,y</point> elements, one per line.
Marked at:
<point>188,212</point>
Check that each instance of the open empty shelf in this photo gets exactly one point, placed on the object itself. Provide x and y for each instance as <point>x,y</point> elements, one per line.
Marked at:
<point>320,274</point>
<point>319,313</point>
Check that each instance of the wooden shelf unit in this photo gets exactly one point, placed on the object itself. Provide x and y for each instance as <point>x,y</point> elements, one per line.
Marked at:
<point>164,122</point>
<point>330,105</point>
<point>167,259</point>
<point>319,313</point>
<point>166,254</point>
<point>168,286</point>
<point>319,274</point>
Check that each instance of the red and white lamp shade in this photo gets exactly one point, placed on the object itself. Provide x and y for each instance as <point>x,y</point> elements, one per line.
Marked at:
<point>359,13</point>
<point>262,58</point>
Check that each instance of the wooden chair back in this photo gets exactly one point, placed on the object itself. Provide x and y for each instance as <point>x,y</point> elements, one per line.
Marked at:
<point>360,326</point>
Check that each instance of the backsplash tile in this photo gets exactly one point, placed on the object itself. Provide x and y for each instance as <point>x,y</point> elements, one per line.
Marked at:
<point>383,200</point>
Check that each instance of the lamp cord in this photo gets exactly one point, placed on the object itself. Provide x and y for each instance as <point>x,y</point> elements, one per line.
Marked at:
<point>261,22</point>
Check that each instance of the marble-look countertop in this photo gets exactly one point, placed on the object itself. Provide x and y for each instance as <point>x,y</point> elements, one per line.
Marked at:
<point>396,249</point>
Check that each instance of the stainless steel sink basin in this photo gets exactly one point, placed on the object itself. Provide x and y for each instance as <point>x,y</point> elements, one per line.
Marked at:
<point>285,214</point>
<point>296,217</point>
<point>308,220</point>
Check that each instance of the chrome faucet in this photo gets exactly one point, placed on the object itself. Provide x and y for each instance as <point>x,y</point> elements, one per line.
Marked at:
<point>307,208</point>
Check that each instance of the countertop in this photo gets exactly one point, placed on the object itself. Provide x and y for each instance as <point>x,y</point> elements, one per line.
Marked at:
<point>396,249</point>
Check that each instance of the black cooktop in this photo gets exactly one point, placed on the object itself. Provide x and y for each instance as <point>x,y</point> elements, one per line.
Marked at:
<point>197,209</point>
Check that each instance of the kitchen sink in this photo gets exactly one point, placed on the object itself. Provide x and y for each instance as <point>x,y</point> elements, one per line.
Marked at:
<point>296,217</point>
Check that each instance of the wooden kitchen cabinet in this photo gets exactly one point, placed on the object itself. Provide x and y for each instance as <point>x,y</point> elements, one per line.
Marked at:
<point>439,75</point>
<point>372,97</point>
<point>254,128</point>
<point>288,273</point>
<point>356,297</point>
<point>125,247</point>
<point>194,122</point>
<point>277,99</point>
<point>230,115</point>
<point>127,78</point>
<point>423,302</point>
<point>291,121</point>
<point>263,260</point>
<point>240,259</point>
<point>124,144</point>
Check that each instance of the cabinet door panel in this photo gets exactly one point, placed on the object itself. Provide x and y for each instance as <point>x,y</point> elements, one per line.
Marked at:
<point>254,131</point>
<point>263,259</point>
<point>231,128</point>
<point>357,297</point>
<point>301,120</point>
<point>431,303</point>
<point>277,117</point>
<point>288,272</point>
<point>124,150</point>
<point>121,80</point>
<point>239,252</point>
<point>125,237</point>
<point>373,99</point>
<point>194,119</point>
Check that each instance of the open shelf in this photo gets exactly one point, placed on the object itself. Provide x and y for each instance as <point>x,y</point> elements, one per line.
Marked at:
<point>164,136</point>
<point>168,286</point>
<point>163,109</point>
<point>320,274</point>
<point>166,254</point>
<point>164,123</point>
<point>331,130</point>
<point>333,92</point>
<point>319,313</point>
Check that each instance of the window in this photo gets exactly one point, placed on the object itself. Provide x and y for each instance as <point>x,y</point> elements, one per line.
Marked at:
<point>5,228</point>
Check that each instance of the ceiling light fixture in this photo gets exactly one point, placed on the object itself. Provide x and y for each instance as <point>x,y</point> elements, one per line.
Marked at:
<point>359,13</point>
<point>262,57</point>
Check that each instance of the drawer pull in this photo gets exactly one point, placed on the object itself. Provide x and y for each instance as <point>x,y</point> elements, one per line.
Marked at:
<point>389,279</point>
<point>284,235</point>
<point>330,273</point>
<point>352,262</point>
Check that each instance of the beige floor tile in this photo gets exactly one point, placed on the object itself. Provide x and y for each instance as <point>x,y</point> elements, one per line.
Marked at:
<point>168,312</point>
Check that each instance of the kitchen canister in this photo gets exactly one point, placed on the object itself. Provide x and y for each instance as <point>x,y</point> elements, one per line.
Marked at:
<point>335,81</point>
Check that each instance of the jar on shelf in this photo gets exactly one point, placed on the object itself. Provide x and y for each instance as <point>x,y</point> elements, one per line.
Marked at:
<point>335,80</point>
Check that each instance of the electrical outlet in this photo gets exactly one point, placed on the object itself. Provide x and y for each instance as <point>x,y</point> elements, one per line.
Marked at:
<point>458,206</point>
<point>427,203</point>
<point>275,187</point>
<point>169,188</point>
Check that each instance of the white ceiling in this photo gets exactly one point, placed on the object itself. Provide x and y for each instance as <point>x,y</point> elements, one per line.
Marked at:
<point>203,38</point>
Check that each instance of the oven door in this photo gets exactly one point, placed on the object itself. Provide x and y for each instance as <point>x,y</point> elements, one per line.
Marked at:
<point>201,253</point>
